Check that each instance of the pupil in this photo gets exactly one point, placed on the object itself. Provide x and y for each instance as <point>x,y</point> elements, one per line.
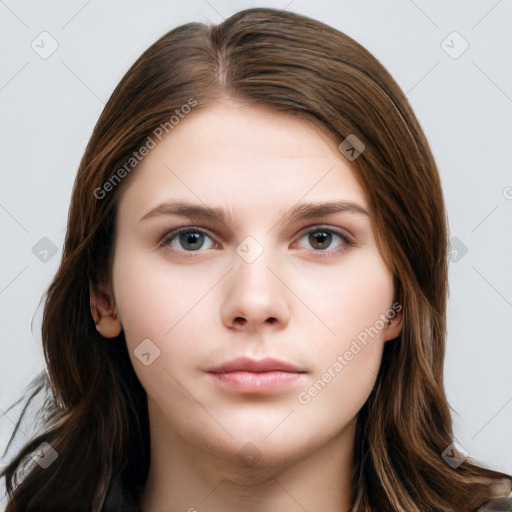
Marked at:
<point>322,237</point>
<point>190,240</point>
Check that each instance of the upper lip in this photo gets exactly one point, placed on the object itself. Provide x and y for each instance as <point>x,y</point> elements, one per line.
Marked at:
<point>267,364</point>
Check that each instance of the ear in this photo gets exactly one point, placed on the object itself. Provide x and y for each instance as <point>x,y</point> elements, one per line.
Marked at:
<point>103,310</point>
<point>393,327</point>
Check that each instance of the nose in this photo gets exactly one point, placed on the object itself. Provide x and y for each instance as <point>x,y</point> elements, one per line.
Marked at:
<point>255,296</point>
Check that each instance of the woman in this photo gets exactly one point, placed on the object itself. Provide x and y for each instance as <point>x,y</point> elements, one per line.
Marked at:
<point>250,309</point>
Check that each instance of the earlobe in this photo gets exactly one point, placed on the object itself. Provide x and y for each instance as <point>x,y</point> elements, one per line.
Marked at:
<point>103,310</point>
<point>393,327</point>
<point>109,326</point>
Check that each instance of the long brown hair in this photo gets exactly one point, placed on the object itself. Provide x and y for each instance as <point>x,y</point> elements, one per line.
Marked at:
<point>96,416</point>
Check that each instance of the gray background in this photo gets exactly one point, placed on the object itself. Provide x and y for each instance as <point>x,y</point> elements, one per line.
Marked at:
<point>48,107</point>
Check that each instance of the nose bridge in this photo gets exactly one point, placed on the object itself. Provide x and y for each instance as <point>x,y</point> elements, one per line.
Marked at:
<point>255,296</point>
<point>252,276</point>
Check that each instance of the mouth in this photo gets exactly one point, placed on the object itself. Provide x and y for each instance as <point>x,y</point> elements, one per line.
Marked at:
<point>245,375</point>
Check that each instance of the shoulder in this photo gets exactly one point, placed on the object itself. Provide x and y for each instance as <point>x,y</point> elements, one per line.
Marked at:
<point>496,505</point>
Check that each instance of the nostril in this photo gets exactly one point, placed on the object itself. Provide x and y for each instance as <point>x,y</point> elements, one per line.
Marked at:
<point>239,320</point>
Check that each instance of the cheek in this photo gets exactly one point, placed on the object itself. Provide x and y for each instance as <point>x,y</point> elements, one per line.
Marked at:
<point>151,295</point>
<point>351,300</point>
<point>162,304</point>
<point>140,303</point>
<point>347,360</point>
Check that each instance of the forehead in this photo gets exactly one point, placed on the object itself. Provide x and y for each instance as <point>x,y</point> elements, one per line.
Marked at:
<point>233,154</point>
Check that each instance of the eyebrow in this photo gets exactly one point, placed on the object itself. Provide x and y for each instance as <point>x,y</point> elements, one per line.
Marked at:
<point>299,212</point>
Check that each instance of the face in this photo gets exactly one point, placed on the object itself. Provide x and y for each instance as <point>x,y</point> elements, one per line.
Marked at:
<point>255,319</point>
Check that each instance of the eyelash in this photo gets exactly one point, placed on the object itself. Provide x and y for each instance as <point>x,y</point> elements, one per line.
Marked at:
<point>168,238</point>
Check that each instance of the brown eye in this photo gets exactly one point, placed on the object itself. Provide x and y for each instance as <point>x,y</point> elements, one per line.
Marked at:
<point>325,240</point>
<point>320,239</point>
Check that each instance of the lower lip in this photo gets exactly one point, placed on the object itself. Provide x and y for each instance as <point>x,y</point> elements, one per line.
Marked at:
<point>252,382</point>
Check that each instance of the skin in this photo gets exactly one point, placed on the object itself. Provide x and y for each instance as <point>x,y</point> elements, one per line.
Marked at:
<point>298,301</point>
